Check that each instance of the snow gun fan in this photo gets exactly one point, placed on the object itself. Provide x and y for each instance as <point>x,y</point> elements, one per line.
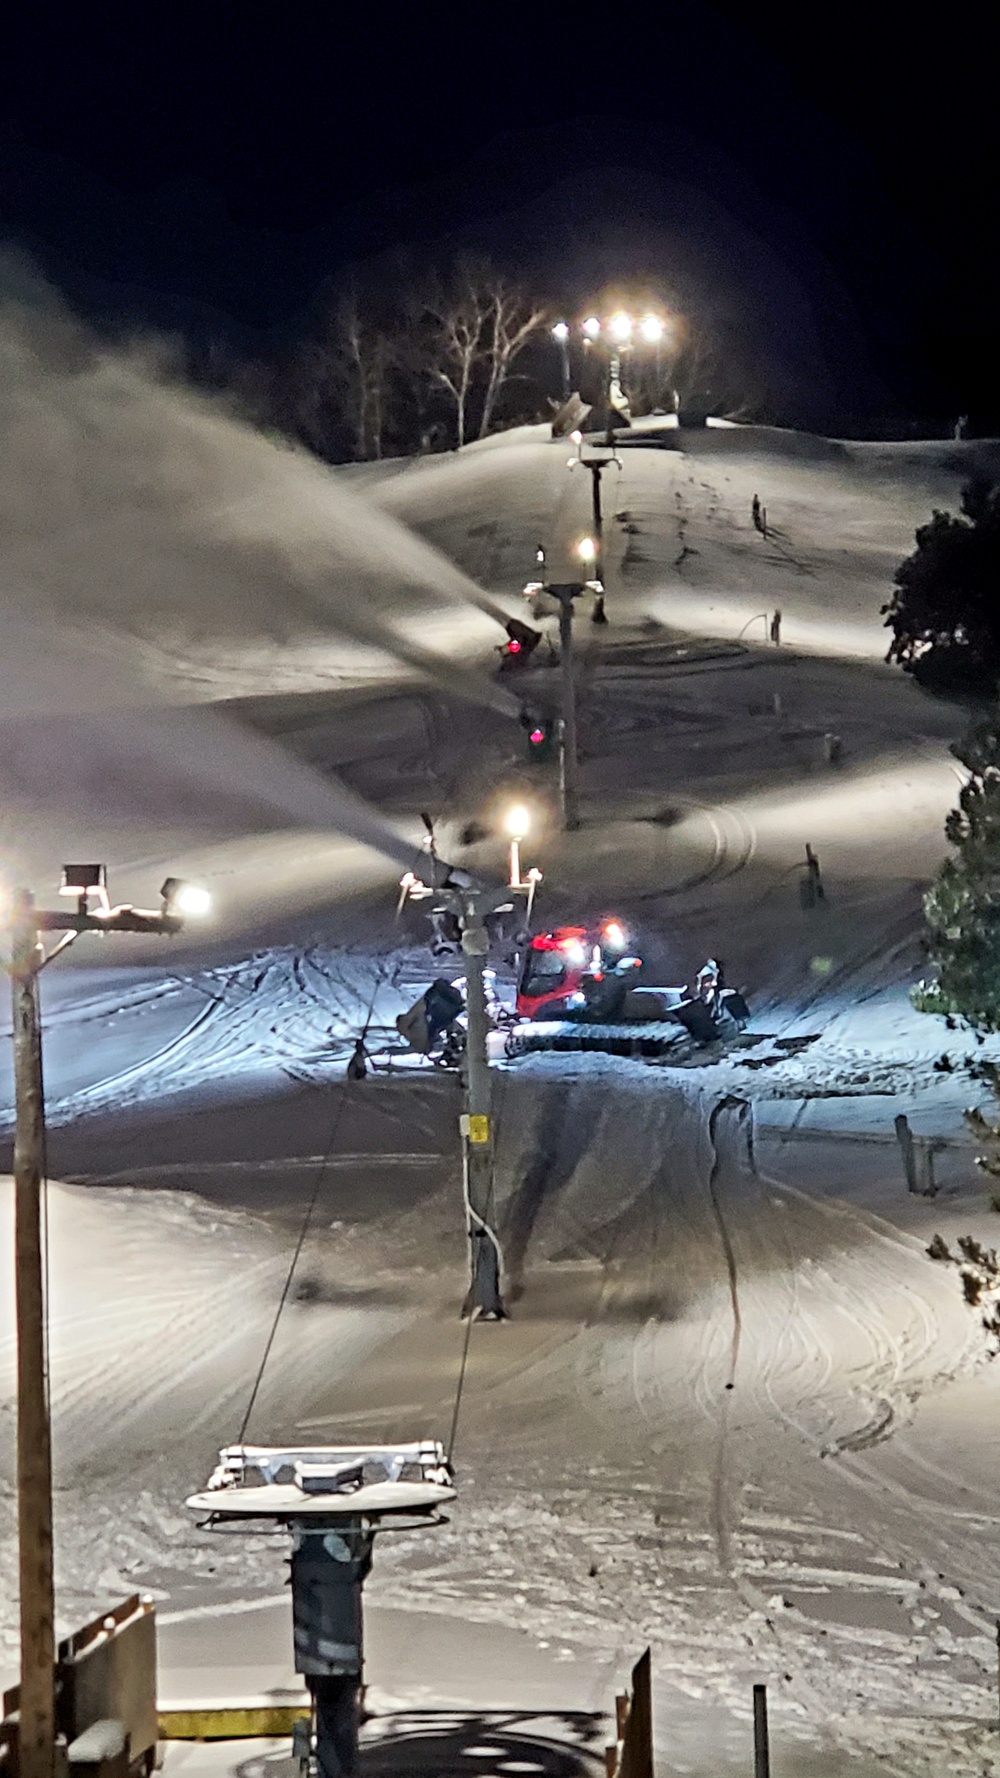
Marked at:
<point>520,645</point>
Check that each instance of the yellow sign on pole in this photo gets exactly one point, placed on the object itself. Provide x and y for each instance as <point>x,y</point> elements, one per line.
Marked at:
<point>479,1127</point>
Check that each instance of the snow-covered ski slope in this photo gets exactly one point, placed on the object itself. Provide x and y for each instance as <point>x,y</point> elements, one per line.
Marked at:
<point>216,658</point>
<point>680,542</point>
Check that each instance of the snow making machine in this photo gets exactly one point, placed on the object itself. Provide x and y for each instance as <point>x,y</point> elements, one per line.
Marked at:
<point>578,990</point>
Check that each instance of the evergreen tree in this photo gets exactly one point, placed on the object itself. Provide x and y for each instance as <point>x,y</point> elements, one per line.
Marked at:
<point>945,609</point>
<point>963,904</point>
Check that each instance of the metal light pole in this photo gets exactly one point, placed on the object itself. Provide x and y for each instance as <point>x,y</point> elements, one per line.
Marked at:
<point>484,1299</point>
<point>569,769</point>
<point>560,333</point>
<point>37,1727</point>
<point>596,466</point>
<point>471,906</point>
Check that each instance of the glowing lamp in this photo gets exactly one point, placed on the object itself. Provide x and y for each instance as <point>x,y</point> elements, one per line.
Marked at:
<point>191,900</point>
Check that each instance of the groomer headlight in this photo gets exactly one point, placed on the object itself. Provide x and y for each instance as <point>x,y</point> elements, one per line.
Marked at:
<point>190,901</point>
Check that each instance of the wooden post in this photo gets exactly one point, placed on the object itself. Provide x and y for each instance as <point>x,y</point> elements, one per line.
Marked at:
<point>904,1136</point>
<point>637,1746</point>
<point>36,1757</point>
<point>761,1743</point>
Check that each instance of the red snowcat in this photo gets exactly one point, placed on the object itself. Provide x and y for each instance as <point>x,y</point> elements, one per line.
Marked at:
<point>578,989</point>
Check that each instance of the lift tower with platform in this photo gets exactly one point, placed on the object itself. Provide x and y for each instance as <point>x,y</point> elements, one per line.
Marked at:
<point>333,1502</point>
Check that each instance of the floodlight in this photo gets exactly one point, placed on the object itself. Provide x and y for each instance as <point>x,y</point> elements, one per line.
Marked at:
<point>651,328</point>
<point>586,549</point>
<point>560,331</point>
<point>620,327</point>
<point>592,327</point>
<point>184,898</point>
<point>84,879</point>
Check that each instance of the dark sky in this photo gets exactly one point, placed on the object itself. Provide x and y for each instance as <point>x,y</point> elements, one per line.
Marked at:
<point>827,177</point>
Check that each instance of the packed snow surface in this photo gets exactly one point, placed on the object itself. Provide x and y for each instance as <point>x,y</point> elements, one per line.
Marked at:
<point>738,1411</point>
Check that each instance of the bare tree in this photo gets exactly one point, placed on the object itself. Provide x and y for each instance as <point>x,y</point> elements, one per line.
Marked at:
<point>707,376</point>
<point>342,382</point>
<point>512,323</point>
<point>456,351</point>
<point>478,329</point>
<point>691,369</point>
<point>398,357</point>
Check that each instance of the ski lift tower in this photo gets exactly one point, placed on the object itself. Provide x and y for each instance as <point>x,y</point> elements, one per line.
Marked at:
<point>333,1502</point>
<point>471,904</point>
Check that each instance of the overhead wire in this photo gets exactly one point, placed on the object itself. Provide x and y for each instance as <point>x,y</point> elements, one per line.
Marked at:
<point>300,1243</point>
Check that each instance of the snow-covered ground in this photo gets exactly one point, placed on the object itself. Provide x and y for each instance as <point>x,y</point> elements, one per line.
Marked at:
<point>738,1411</point>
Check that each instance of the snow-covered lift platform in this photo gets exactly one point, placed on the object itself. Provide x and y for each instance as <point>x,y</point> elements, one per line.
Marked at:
<point>316,1482</point>
<point>333,1499</point>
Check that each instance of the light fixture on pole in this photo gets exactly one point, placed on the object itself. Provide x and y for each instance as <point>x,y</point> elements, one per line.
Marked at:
<point>517,821</point>
<point>596,466</point>
<point>190,900</point>
<point>622,334</point>
<point>27,924</point>
<point>560,333</point>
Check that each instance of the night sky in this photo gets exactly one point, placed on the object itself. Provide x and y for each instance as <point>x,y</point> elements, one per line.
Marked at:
<point>825,179</point>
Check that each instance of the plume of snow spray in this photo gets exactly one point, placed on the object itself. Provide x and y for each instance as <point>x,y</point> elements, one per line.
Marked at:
<point>143,528</point>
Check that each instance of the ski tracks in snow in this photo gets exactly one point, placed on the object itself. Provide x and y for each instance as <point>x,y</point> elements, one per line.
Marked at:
<point>291,1012</point>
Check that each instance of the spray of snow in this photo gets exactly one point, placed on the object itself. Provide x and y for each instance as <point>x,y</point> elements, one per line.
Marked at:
<point>156,552</point>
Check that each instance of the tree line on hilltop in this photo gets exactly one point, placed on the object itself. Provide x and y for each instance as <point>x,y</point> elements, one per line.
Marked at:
<point>397,360</point>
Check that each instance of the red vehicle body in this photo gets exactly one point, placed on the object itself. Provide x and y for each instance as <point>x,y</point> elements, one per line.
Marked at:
<point>558,964</point>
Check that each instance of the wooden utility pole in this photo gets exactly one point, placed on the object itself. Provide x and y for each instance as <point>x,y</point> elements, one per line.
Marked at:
<point>36,1757</point>
<point>37,1726</point>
